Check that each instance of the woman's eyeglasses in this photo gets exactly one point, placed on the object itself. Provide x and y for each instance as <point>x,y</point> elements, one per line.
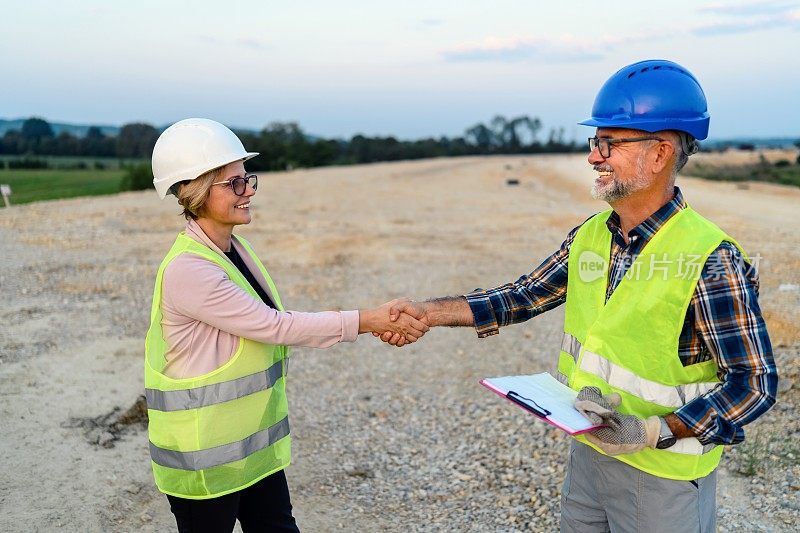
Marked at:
<point>239,183</point>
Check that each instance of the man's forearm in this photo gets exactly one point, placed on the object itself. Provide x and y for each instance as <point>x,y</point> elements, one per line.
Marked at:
<point>449,311</point>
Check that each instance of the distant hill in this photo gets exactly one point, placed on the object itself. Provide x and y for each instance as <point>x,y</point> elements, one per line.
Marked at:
<point>78,130</point>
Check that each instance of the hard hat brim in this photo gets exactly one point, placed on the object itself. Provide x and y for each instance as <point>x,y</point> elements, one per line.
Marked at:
<point>697,127</point>
<point>164,188</point>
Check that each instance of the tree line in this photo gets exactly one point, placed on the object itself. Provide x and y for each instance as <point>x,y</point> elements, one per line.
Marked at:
<point>284,145</point>
<point>36,138</point>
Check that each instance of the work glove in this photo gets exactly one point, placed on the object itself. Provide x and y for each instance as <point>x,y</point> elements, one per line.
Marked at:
<point>597,408</point>
<point>622,433</point>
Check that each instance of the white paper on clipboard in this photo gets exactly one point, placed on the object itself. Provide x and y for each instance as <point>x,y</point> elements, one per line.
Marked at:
<point>546,392</point>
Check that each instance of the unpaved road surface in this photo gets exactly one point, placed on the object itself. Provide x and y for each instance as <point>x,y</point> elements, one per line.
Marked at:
<point>385,439</point>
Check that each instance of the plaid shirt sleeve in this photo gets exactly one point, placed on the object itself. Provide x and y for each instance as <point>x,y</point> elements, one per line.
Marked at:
<point>531,295</point>
<point>728,319</point>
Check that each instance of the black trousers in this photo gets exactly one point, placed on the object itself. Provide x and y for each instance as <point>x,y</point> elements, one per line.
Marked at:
<point>263,506</point>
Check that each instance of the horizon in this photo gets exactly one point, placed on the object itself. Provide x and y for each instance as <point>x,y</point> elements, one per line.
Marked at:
<point>710,140</point>
<point>425,70</point>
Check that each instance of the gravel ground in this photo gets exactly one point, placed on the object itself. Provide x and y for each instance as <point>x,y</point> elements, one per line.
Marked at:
<point>384,439</point>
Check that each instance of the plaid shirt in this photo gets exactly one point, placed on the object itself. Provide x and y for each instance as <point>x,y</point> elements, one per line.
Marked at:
<point>723,322</point>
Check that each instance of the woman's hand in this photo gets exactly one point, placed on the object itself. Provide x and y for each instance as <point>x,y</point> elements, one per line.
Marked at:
<point>405,328</point>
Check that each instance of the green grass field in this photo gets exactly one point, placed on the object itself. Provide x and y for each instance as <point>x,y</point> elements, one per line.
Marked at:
<point>74,162</point>
<point>784,175</point>
<point>34,185</point>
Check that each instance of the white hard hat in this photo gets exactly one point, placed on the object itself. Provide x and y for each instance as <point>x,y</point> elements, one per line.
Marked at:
<point>192,147</point>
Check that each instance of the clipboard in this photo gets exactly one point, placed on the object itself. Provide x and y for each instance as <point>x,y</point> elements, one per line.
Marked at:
<point>545,397</point>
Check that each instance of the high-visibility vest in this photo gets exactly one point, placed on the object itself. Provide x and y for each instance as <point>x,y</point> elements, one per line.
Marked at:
<point>629,344</point>
<point>221,432</point>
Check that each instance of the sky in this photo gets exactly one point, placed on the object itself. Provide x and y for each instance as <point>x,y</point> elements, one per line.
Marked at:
<point>409,69</point>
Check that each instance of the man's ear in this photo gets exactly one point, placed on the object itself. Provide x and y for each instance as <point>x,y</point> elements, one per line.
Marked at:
<point>664,155</point>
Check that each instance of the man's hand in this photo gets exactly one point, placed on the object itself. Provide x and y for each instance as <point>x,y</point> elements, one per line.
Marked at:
<point>446,311</point>
<point>402,328</point>
<point>399,308</point>
<point>597,408</point>
<point>623,433</point>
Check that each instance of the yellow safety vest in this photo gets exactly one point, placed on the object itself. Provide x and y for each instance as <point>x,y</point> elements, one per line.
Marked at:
<point>629,344</point>
<point>221,432</point>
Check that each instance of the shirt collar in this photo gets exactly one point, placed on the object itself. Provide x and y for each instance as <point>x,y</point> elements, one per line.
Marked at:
<point>651,224</point>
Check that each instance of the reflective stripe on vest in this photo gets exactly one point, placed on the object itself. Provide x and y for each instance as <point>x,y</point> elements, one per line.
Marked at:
<point>624,379</point>
<point>571,345</point>
<point>647,390</point>
<point>180,400</point>
<point>227,453</point>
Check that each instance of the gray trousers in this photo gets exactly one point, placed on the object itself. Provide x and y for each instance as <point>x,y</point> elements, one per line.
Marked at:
<point>601,493</point>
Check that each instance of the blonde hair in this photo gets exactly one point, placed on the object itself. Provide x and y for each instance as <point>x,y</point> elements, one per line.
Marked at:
<point>192,194</point>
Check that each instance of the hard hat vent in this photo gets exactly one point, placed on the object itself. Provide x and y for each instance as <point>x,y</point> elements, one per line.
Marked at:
<point>657,67</point>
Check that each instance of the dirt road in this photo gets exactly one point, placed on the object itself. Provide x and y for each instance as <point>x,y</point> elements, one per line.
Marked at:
<point>385,439</point>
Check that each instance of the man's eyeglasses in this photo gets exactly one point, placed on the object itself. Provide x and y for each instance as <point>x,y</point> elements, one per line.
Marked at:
<point>239,183</point>
<point>603,144</point>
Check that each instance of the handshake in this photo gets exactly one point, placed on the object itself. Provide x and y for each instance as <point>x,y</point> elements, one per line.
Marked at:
<point>398,322</point>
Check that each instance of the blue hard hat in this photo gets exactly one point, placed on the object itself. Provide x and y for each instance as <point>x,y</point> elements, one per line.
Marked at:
<point>652,95</point>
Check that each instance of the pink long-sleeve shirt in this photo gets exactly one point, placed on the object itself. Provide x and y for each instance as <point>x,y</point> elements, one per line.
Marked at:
<point>205,313</point>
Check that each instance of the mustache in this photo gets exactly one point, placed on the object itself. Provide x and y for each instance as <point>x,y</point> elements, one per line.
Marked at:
<point>602,168</point>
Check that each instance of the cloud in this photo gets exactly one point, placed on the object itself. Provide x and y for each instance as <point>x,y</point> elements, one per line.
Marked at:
<point>206,39</point>
<point>779,15</point>
<point>255,44</point>
<point>426,24</point>
<point>569,49</point>
<point>565,49</point>
<point>748,9</point>
<point>725,28</point>
<point>247,42</point>
<point>431,23</point>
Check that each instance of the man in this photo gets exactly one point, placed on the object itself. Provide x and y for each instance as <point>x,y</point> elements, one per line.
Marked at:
<point>661,314</point>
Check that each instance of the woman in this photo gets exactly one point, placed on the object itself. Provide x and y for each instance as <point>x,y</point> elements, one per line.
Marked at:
<point>215,365</point>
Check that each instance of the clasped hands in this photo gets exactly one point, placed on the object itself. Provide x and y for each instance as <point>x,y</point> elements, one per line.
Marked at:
<point>398,322</point>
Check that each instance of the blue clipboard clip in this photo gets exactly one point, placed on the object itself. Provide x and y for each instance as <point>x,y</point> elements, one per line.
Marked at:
<point>527,403</point>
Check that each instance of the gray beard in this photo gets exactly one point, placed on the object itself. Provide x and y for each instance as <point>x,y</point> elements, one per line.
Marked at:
<point>612,193</point>
<point>617,189</point>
